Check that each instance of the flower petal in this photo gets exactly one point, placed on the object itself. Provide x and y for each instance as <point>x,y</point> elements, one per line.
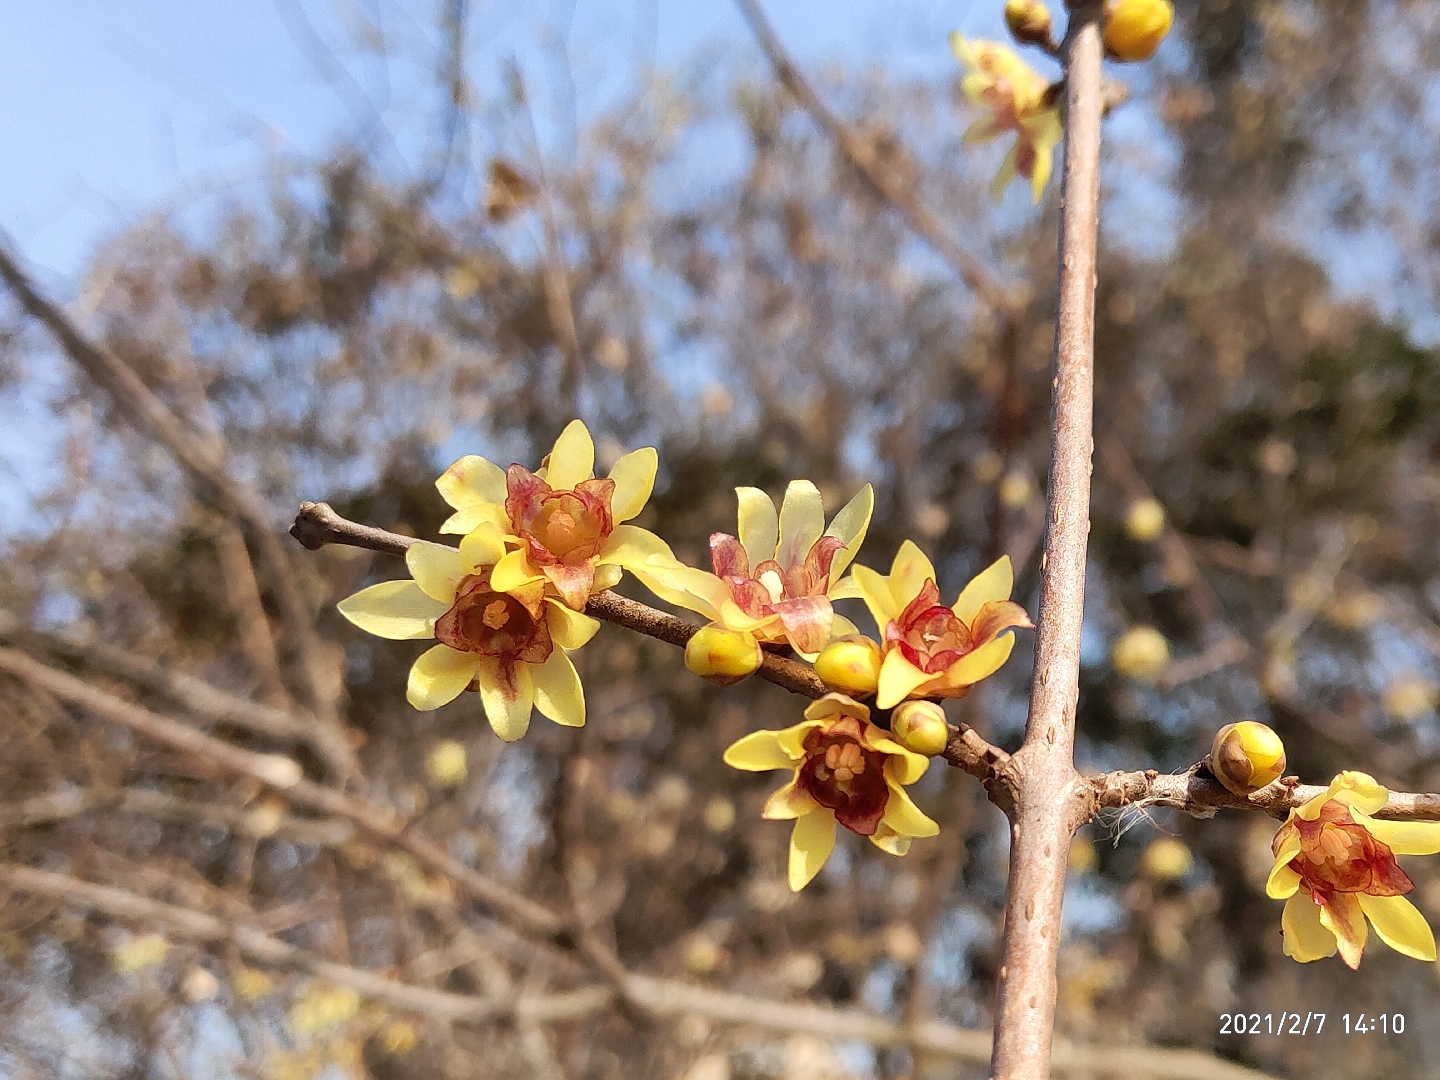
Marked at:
<point>757,524</point>
<point>875,591</point>
<point>573,459</point>
<point>840,626</point>
<point>630,545</point>
<point>904,816</point>
<point>469,518</point>
<point>910,570</point>
<point>905,766</point>
<point>889,841</point>
<point>1343,917</point>
<point>683,586</point>
<point>483,546</point>
<point>990,586</point>
<point>568,628</point>
<point>1305,938</point>
<point>398,610</point>
<point>760,751</point>
<point>439,677</point>
<point>437,569</point>
<point>850,526</point>
<point>472,480</point>
<point>558,693</point>
<point>810,845</point>
<point>1355,789</point>
<point>807,623</point>
<point>791,801</point>
<point>802,521</point>
<point>1402,837</point>
<point>514,571</point>
<point>994,618</point>
<point>508,694</point>
<point>607,576</point>
<point>1399,925</point>
<point>897,678</point>
<point>980,664</point>
<point>1283,881</point>
<point>634,476</point>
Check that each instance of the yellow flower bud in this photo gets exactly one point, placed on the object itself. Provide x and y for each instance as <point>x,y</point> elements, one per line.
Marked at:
<point>1135,28</point>
<point>851,665</point>
<point>1166,859</point>
<point>920,726</point>
<point>446,765</point>
<point>1246,756</point>
<point>1145,520</point>
<point>1029,21</point>
<point>1141,653</point>
<point>722,656</point>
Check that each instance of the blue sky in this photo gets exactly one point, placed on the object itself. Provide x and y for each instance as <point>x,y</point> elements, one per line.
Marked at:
<point>109,111</point>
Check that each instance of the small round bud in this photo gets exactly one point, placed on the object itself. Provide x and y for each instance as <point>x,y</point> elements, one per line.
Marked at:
<point>1134,28</point>
<point>920,726</point>
<point>1166,859</point>
<point>1144,520</point>
<point>446,764</point>
<point>1029,21</point>
<point>722,656</point>
<point>1246,756</point>
<point>1141,653</point>
<point>850,664</point>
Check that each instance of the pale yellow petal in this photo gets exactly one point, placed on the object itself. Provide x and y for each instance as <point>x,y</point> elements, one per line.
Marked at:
<point>568,629</point>
<point>897,678</point>
<point>507,701</point>
<point>630,545</point>
<point>483,546</point>
<point>1305,939</point>
<point>904,765</point>
<point>847,588</point>
<point>889,841</point>
<point>875,591</point>
<point>840,627</point>
<point>758,524</point>
<point>790,802</point>
<point>437,569</point>
<point>904,816</point>
<point>811,842</point>
<point>1355,789</point>
<point>513,571</point>
<point>1399,925</point>
<point>607,576</point>
<point>398,610</point>
<point>1283,881</point>
<point>472,480</point>
<point>469,518</point>
<point>908,573</point>
<point>634,476</point>
<point>684,586</point>
<point>990,585</point>
<point>760,751</point>
<point>802,522</point>
<point>439,677</point>
<point>850,526</point>
<point>1403,837</point>
<point>558,693</point>
<point>573,458</point>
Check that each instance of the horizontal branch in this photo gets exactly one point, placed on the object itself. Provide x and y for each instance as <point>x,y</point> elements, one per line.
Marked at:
<point>660,997</point>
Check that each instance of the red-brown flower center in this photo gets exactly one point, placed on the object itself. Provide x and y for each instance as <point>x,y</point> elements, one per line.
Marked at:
<point>1339,855</point>
<point>496,624</point>
<point>566,527</point>
<point>929,634</point>
<point>840,773</point>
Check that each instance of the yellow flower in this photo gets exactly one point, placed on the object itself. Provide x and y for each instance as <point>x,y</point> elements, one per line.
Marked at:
<point>931,650</point>
<point>776,580</point>
<point>566,526</point>
<point>1016,96</point>
<point>1335,868</point>
<point>846,770</point>
<point>514,644</point>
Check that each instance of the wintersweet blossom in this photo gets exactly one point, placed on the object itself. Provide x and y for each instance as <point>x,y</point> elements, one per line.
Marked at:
<point>1016,96</point>
<point>511,644</point>
<point>932,650</point>
<point>566,526</point>
<point>845,770</point>
<point>776,580</point>
<point>1335,868</point>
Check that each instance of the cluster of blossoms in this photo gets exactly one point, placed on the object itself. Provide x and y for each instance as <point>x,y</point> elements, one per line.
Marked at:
<point>506,608</point>
<point>1017,100</point>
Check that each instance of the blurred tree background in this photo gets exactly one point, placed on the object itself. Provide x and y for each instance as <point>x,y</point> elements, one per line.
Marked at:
<point>706,272</point>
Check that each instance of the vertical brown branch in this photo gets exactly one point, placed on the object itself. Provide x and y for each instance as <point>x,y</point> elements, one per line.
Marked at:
<point>1045,793</point>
